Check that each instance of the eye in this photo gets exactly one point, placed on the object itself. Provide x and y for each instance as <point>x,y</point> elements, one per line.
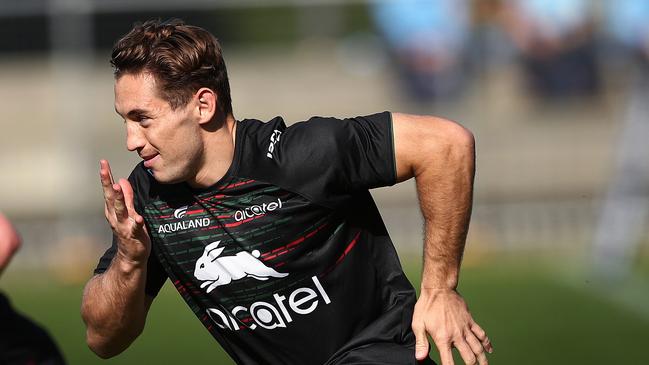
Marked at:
<point>143,119</point>
<point>202,266</point>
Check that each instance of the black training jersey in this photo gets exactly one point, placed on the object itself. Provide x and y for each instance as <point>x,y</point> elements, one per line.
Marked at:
<point>286,260</point>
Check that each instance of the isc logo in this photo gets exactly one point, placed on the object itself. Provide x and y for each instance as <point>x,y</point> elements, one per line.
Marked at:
<point>180,212</point>
<point>274,138</point>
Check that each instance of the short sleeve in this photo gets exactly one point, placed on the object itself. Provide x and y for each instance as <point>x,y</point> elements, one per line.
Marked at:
<point>156,274</point>
<point>327,159</point>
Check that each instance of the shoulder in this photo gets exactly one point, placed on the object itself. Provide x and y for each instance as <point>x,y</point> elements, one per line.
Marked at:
<point>316,137</point>
<point>337,127</point>
<point>257,131</point>
<point>321,155</point>
<point>253,127</point>
<point>321,132</point>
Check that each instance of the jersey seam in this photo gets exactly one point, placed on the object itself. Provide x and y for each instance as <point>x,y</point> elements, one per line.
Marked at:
<point>393,152</point>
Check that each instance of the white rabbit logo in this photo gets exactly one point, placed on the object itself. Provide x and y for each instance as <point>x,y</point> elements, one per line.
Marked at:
<point>214,271</point>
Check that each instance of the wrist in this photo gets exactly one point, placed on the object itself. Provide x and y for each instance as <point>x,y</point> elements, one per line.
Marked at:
<point>435,292</point>
<point>128,265</point>
<point>437,289</point>
<point>440,272</point>
<point>432,294</point>
<point>440,285</point>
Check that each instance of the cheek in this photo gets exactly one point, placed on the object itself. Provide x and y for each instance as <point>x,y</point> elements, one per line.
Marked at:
<point>177,138</point>
<point>186,147</point>
<point>173,139</point>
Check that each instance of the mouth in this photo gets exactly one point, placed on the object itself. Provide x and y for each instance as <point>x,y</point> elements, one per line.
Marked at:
<point>149,160</point>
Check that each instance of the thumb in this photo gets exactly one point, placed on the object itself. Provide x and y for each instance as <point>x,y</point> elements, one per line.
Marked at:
<point>140,228</point>
<point>421,343</point>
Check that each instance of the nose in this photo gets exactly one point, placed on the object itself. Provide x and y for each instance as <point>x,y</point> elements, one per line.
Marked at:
<point>134,136</point>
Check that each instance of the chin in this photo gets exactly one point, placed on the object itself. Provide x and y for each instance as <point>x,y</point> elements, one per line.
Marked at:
<point>167,178</point>
<point>163,180</point>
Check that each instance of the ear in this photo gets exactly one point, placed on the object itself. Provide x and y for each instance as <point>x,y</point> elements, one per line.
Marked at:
<point>212,246</point>
<point>206,102</point>
<point>213,251</point>
<point>214,254</point>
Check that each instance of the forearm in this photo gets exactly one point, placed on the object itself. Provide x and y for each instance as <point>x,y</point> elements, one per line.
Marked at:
<point>440,154</point>
<point>445,191</point>
<point>114,307</point>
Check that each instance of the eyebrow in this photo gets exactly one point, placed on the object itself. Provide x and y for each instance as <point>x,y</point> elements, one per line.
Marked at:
<point>134,113</point>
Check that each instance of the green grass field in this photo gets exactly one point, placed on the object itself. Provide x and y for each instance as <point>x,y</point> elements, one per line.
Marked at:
<point>532,315</point>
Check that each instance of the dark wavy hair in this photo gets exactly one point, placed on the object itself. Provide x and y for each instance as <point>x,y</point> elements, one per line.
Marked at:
<point>182,58</point>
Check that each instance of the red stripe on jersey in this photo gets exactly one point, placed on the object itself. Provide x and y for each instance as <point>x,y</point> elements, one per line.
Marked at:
<point>290,246</point>
<point>238,184</point>
<point>349,248</point>
<point>243,221</point>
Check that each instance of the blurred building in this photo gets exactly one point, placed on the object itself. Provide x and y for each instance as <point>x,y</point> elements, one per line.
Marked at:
<point>624,217</point>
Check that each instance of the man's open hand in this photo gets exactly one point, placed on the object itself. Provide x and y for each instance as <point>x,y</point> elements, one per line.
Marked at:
<point>134,244</point>
<point>443,314</point>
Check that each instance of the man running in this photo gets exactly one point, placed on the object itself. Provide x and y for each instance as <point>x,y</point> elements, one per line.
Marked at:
<point>269,232</point>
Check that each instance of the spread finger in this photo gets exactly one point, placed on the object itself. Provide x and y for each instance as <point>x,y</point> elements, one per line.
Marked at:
<point>120,205</point>
<point>477,348</point>
<point>465,351</point>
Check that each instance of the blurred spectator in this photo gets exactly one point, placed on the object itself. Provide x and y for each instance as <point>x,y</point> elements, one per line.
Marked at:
<point>22,342</point>
<point>625,212</point>
<point>556,41</point>
<point>489,47</point>
<point>427,39</point>
<point>626,25</point>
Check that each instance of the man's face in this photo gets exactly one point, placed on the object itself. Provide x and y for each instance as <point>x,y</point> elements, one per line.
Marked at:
<point>169,141</point>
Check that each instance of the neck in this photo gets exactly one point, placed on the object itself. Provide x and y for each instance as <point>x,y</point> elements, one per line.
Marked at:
<point>218,151</point>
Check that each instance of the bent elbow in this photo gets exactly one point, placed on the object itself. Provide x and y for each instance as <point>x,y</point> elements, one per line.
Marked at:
<point>102,349</point>
<point>107,347</point>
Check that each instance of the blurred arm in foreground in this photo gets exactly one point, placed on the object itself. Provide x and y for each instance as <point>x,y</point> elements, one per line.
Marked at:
<point>440,155</point>
<point>21,340</point>
<point>9,242</point>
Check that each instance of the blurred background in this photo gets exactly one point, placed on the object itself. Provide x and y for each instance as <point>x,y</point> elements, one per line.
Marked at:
<point>555,92</point>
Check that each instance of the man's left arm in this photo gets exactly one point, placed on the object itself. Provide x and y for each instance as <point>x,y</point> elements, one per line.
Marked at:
<point>440,155</point>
